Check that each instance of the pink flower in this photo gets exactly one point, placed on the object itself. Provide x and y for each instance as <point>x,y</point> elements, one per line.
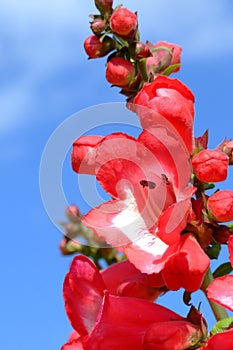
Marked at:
<point>220,206</point>
<point>210,165</point>
<point>221,289</point>
<point>170,99</point>
<point>120,72</point>
<point>164,54</point>
<point>104,321</point>
<point>124,23</point>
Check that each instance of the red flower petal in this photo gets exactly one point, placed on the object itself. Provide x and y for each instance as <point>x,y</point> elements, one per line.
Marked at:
<point>186,267</point>
<point>217,341</point>
<point>221,291</point>
<point>123,321</point>
<point>84,284</point>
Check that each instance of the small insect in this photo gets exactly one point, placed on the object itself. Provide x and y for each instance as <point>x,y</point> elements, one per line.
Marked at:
<point>165,179</point>
<point>149,184</point>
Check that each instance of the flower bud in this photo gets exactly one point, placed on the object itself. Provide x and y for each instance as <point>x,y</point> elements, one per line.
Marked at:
<point>210,165</point>
<point>228,149</point>
<point>68,247</point>
<point>124,23</point>
<point>221,234</point>
<point>120,72</point>
<point>220,206</point>
<point>98,26</point>
<point>104,5</point>
<point>73,213</point>
<point>139,50</point>
<point>84,153</point>
<point>96,48</point>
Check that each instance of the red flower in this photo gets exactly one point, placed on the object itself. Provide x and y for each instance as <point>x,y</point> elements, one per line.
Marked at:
<point>124,23</point>
<point>170,99</point>
<point>177,335</point>
<point>104,321</point>
<point>217,341</point>
<point>221,289</point>
<point>210,165</point>
<point>220,206</point>
<point>186,265</point>
<point>148,182</point>
<point>120,72</point>
<point>124,279</point>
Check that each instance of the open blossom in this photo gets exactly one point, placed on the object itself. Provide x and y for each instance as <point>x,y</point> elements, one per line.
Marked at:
<point>171,99</point>
<point>103,321</point>
<point>220,206</point>
<point>210,165</point>
<point>148,182</point>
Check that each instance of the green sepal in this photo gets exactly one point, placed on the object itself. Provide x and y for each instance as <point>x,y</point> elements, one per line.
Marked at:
<point>223,270</point>
<point>222,325</point>
<point>169,70</point>
<point>187,298</point>
<point>213,250</point>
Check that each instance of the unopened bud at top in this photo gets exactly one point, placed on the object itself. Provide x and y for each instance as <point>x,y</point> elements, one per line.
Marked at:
<point>220,206</point>
<point>124,23</point>
<point>120,72</point>
<point>104,6</point>
<point>210,165</point>
<point>96,48</point>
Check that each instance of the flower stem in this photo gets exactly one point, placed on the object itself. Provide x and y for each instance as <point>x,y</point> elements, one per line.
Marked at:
<point>218,311</point>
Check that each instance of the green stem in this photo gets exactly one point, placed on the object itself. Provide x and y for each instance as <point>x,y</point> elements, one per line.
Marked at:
<point>142,68</point>
<point>218,311</point>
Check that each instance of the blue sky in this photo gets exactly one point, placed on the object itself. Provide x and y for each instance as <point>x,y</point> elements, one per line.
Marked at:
<point>45,78</point>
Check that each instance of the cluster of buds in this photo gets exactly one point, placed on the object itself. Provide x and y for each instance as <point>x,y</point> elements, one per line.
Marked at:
<point>78,239</point>
<point>131,63</point>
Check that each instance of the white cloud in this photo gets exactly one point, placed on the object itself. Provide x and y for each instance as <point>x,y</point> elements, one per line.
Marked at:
<point>40,38</point>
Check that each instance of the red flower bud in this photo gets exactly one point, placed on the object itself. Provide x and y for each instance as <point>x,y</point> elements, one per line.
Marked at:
<point>221,234</point>
<point>220,206</point>
<point>139,50</point>
<point>124,23</point>
<point>98,26</point>
<point>83,154</point>
<point>104,5</point>
<point>96,48</point>
<point>120,72</point>
<point>210,165</point>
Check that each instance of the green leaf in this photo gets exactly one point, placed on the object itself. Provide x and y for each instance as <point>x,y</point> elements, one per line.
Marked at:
<point>223,270</point>
<point>213,251</point>
<point>222,325</point>
<point>208,186</point>
<point>169,70</point>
